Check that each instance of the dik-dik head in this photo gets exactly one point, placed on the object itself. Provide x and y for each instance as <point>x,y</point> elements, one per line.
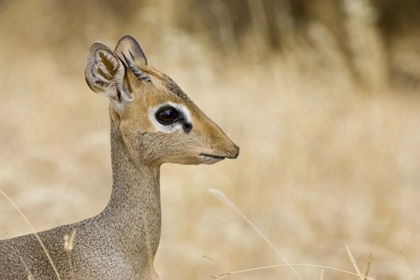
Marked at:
<point>156,119</point>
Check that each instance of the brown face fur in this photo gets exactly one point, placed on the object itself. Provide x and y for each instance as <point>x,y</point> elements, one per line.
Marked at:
<point>134,103</point>
<point>152,146</point>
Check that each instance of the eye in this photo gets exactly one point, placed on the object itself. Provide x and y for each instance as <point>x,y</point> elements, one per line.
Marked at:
<point>167,115</point>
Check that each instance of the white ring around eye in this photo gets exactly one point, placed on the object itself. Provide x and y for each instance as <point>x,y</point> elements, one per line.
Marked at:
<point>183,111</point>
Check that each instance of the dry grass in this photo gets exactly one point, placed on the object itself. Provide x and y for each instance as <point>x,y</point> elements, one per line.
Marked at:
<point>324,160</point>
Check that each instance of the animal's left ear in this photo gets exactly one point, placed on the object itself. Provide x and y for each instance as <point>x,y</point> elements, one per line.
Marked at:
<point>129,47</point>
<point>131,53</point>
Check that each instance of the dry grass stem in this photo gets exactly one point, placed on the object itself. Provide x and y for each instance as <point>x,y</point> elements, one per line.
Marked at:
<point>221,276</point>
<point>30,276</point>
<point>222,197</point>
<point>34,232</point>
<point>68,241</point>
<point>68,247</point>
<point>322,274</point>
<point>353,261</point>
<point>215,261</point>
<point>321,96</point>
<point>218,263</point>
<point>369,264</point>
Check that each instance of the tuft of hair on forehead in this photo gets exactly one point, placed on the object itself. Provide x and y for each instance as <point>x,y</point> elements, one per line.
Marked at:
<point>166,82</point>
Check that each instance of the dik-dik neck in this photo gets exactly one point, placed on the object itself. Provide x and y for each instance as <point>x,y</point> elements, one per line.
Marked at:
<point>135,199</point>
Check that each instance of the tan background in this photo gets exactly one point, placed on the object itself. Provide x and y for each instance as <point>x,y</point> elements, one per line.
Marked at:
<point>322,97</point>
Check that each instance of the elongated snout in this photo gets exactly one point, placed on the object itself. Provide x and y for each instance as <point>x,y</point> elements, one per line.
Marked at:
<point>218,145</point>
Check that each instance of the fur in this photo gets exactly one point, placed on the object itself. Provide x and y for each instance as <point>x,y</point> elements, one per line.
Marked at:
<point>121,242</point>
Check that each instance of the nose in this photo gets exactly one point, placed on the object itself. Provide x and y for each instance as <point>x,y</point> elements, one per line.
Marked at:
<point>234,153</point>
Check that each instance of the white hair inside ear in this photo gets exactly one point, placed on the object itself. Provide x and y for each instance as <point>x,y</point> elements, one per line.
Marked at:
<point>105,73</point>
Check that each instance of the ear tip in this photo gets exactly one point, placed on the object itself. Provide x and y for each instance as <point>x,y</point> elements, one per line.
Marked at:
<point>98,46</point>
<point>127,36</point>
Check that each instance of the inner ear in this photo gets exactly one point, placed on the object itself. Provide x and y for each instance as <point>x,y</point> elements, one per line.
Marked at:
<point>129,47</point>
<point>105,73</point>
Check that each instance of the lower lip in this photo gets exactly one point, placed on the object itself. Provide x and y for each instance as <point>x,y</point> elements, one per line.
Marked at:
<point>210,159</point>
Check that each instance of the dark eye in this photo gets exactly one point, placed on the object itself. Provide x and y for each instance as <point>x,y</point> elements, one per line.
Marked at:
<point>167,115</point>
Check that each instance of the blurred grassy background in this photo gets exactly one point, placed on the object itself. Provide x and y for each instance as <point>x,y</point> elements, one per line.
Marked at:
<point>321,95</point>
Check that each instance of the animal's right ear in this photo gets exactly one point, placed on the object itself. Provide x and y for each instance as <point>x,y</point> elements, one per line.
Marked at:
<point>105,72</point>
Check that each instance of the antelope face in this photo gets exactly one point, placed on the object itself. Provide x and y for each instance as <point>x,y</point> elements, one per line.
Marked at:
<point>156,119</point>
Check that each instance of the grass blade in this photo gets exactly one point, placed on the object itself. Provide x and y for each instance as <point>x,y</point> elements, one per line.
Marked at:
<point>34,232</point>
<point>223,198</point>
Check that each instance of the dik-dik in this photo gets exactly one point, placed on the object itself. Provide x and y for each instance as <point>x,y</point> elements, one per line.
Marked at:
<point>152,122</point>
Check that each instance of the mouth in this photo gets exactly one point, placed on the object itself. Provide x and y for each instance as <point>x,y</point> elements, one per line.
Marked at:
<point>210,159</point>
